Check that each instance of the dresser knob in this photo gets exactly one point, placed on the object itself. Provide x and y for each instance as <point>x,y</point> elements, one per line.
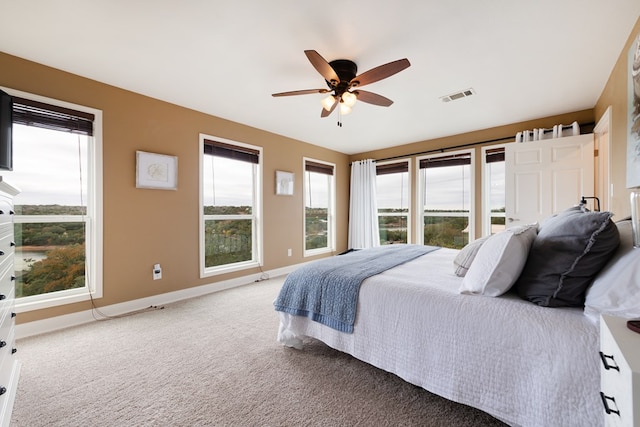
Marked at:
<point>13,315</point>
<point>3,297</point>
<point>13,278</point>
<point>605,362</point>
<point>12,244</point>
<point>1,253</point>
<point>608,409</point>
<point>14,350</point>
<point>3,390</point>
<point>11,212</point>
<point>3,343</point>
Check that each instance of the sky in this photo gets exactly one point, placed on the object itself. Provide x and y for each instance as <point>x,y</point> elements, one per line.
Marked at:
<point>444,188</point>
<point>46,166</point>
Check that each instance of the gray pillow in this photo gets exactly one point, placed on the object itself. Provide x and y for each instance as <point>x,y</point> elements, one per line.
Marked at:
<point>569,250</point>
<point>466,256</point>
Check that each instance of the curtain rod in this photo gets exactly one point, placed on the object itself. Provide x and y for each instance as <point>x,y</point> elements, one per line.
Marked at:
<point>471,144</point>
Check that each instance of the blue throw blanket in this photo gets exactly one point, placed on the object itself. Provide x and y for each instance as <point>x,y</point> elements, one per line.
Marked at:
<point>326,291</point>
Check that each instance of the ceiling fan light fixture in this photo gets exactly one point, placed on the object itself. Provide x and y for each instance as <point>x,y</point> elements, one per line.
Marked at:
<point>349,99</point>
<point>344,109</point>
<point>328,102</point>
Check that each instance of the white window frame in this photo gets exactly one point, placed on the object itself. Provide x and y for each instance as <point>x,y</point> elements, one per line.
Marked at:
<point>409,185</point>
<point>93,288</point>
<point>486,190</point>
<point>256,215</point>
<point>420,193</point>
<point>331,224</point>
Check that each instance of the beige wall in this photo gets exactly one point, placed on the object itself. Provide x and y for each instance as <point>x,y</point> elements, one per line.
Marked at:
<point>615,96</point>
<point>144,227</point>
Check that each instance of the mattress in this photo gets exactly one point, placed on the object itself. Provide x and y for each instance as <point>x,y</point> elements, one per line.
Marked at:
<point>524,364</point>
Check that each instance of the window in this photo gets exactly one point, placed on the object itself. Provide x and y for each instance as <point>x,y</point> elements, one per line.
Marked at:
<point>445,198</point>
<point>58,220</point>
<point>392,191</point>
<point>230,230</point>
<point>493,214</point>
<point>319,207</point>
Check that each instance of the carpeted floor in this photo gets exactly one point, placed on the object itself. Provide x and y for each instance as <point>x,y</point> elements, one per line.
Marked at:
<point>214,361</point>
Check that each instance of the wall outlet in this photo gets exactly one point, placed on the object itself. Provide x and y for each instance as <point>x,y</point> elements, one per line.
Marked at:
<point>288,252</point>
<point>157,272</point>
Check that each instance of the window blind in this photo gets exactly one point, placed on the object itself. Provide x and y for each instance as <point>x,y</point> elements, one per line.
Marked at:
<point>39,114</point>
<point>310,166</point>
<point>444,161</point>
<point>390,168</point>
<point>234,152</point>
<point>493,155</point>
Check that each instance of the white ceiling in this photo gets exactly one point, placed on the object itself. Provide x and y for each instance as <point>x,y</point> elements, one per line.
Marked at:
<point>525,59</point>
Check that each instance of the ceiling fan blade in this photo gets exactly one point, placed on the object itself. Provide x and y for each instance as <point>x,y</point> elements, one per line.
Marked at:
<point>326,113</point>
<point>372,98</point>
<point>380,72</point>
<point>322,66</point>
<point>301,92</point>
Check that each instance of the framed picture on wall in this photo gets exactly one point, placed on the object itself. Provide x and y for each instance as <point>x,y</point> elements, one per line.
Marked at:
<point>633,120</point>
<point>157,171</point>
<point>284,183</point>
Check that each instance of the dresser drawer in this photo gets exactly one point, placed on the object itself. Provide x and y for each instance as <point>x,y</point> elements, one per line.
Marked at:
<point>7,306</point>
<point>6,229</point>
<point>7,337</point>
<point>7,280</point>
<point>618,381</point>
<point>7,365</point>
<point>6,210</point>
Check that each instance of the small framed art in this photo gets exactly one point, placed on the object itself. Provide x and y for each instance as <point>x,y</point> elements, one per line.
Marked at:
<point>157,171</point>
<point>284,183</point>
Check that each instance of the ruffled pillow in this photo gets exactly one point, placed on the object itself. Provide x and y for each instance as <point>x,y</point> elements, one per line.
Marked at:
<point>570,249</point>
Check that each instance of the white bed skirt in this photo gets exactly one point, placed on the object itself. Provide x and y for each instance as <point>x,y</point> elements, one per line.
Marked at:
<point>524,364</point>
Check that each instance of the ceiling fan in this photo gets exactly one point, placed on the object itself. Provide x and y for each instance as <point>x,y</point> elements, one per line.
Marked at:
<point>343,82</point>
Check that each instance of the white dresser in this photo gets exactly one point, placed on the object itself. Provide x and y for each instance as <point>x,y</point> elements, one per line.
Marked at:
<point>9,365</point>
<point>619,372</point>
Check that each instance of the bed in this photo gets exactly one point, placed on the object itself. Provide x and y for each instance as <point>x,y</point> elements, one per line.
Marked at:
<point>501,352</point>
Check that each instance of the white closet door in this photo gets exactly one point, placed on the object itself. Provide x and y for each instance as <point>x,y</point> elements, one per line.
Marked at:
<point>546,177</point>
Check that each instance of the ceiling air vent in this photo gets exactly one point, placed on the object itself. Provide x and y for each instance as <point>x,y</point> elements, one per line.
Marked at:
<point>458,95</point>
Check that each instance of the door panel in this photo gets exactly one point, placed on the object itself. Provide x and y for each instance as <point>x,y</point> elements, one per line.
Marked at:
<point>547,177</point>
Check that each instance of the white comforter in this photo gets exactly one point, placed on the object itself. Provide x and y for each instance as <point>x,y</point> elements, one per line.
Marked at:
<point>524,364</point>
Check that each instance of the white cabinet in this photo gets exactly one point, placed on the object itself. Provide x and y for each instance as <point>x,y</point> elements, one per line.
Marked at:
<point>619,372</point>
<point>9,365</point>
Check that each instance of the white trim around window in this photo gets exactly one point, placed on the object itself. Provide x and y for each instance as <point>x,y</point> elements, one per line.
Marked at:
<point>331,212</point>
<point>256,216</point>
<point>420,188</point>
<point>93,220</point>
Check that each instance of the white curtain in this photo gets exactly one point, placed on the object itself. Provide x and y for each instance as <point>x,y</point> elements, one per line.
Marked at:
<point>363,207</point>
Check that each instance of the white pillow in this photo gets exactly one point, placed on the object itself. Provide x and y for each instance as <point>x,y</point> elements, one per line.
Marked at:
<point>616,289</point>
<point>465,257</point>
<point>499,262</point>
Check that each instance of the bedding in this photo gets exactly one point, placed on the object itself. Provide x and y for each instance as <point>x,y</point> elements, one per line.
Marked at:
<point>524,364</point>
<point>327,290</point>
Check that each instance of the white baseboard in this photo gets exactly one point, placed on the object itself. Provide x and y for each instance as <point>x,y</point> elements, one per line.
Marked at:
<point>51,324</point>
